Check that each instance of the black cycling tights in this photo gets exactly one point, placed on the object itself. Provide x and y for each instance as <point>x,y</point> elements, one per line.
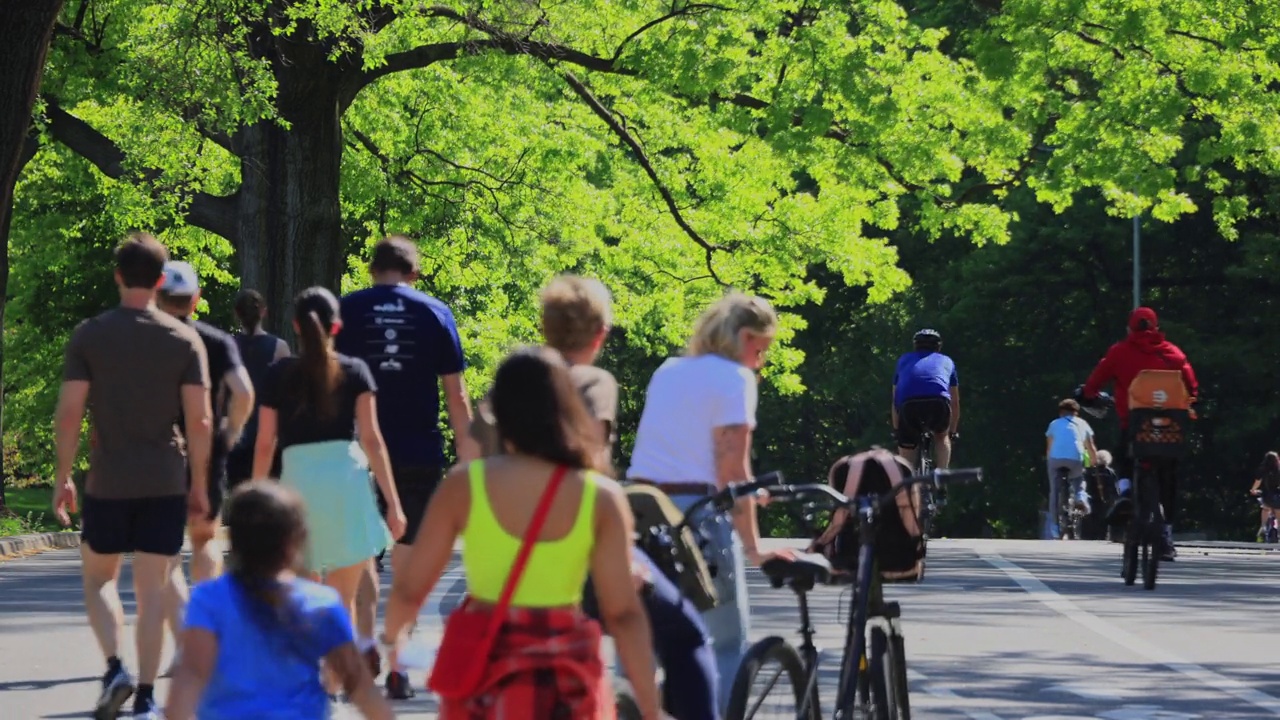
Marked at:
<point>1167,477</point>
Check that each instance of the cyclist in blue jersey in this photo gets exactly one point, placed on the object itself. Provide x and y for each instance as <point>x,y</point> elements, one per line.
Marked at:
<point>926,396</point>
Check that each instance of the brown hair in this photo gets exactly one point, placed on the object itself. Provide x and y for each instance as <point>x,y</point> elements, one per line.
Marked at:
<point>140,261</point>
<point>318,372</point>
<point>1070,406</point>
<point>250,308</point>
<point>539,411</point>
<point>395,253</point>
<point>574,312</point>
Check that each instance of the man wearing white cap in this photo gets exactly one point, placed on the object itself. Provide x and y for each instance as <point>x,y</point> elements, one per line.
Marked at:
<point>231,395</point>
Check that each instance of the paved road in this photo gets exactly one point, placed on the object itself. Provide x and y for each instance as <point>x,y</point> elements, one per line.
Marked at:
<point>1000,630</point>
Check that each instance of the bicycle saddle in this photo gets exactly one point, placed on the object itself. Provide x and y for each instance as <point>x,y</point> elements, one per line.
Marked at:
<point>807,570</point>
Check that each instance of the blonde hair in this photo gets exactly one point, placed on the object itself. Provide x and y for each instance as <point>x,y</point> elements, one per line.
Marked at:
<point>1104,458</point>
<point>574,312</point>
<point>719,329</point>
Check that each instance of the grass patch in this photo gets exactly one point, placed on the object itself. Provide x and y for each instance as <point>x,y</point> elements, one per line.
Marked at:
<point>30,511</point>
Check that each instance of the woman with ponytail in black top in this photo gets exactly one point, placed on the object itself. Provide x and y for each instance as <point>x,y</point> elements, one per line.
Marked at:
<point>318,408</point>
<point>258,349</point>
<point>255,636</point>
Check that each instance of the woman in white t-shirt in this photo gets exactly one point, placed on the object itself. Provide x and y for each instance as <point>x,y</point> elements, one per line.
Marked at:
<point>695,437</point>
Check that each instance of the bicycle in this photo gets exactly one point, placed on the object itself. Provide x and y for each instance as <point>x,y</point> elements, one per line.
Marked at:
<point>1070,517</point>
<point>875,686</point>
<point>1144,536</point>
<point>929,501</point>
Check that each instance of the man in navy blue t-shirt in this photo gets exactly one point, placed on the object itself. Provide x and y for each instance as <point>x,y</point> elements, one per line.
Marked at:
<point>410,342</point>
<point>926,396</point>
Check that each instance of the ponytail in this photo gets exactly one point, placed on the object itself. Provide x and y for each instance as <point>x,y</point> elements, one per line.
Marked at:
<point>249,309</point>
<point>318,370</point>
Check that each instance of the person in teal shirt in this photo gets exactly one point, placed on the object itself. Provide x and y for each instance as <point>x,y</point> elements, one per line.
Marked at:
<point>255,637</point>
<point>1069,444</point>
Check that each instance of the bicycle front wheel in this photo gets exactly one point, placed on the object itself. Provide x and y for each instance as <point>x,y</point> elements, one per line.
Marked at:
<point>756,693</point>
<point>895,666</point>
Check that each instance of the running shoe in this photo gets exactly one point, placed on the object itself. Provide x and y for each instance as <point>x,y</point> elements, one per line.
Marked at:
<point>117,687</point>
<point>146,709</point>
<point>398,687</point>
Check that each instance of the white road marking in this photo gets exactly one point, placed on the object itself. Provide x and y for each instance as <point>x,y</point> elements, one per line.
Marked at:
<point>1129,641</point>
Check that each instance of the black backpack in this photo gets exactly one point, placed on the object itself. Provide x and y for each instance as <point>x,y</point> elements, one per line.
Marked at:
<point>900,545</point>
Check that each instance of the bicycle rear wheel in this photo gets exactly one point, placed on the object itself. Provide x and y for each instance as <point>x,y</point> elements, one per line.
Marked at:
<point>1129,572</point>
<point>769,662</point>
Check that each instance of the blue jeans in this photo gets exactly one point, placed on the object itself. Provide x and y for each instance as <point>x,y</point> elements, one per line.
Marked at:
<point>730,621</point>
<point>682,645</point>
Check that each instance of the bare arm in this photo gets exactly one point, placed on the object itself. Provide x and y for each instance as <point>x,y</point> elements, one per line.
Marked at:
<point>198,419</point>
<point>282,351</point>
<point>357,683</point>
<point>955,410</point>
<point>1048,446</point>
<point>240,406</point>
<point>68,421</point>
<point>459,407</point>
<point>264,447</point>
<point>195,666</point>
<point>620,606</point>
<point>376,450</point>
<point>733,464</point>
<point>1093,450</point>
<point>430,553</point>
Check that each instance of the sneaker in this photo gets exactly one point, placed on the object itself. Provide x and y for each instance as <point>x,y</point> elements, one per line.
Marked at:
<point>1082,502</point>
<point>146,709</point>
<point>374,659</point>
<point>117,687</point>
<point>398,687</point>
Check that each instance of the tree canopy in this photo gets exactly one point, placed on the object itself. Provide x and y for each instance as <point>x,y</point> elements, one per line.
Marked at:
<point>794,148</point>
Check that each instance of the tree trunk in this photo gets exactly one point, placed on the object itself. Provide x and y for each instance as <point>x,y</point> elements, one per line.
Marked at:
<point>24,41</point>
<point>289,218</point>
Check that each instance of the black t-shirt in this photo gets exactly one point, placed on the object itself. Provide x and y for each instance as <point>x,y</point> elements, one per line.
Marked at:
<point>224,357</point>
<point>258,352</point>
<point>295,424</point>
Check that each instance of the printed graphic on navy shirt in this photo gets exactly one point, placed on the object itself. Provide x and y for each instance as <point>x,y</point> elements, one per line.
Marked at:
<point>408,339</point>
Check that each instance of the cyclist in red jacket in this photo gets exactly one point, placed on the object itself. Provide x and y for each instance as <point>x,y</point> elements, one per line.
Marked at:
<point>1145,348</point>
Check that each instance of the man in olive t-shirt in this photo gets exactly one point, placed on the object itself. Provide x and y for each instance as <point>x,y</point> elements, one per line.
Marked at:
<point>136,370</point>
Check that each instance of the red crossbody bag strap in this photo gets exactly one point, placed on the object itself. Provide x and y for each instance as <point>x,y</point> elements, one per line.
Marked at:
<point>526,547</point>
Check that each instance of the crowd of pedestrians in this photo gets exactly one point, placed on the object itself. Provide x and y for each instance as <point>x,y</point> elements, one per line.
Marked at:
<point>332,457</point>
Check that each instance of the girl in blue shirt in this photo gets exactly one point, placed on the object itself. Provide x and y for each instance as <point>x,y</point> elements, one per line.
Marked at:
<point>255,637</point>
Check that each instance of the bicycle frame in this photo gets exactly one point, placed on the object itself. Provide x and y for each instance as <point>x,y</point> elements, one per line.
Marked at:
<point>868,603</point>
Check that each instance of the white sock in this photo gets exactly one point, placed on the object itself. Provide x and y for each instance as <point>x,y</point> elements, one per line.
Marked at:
<point>363,644</point>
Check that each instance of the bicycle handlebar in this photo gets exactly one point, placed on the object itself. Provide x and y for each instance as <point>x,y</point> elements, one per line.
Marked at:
<point>879,502</point>
<point>771,485</point>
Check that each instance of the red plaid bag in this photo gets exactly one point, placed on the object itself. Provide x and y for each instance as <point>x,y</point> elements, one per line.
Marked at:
<point>469,636</point>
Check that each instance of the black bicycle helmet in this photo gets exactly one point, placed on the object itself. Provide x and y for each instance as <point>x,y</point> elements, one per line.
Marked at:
<point>927,336</point>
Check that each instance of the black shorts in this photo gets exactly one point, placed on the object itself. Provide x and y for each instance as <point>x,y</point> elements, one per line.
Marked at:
<point>415,484</point>
<point>1271,500</point>
<point>149,525</point>
<point>931,413</point>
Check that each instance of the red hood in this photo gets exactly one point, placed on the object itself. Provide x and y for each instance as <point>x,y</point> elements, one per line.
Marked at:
<point>1152,342</point>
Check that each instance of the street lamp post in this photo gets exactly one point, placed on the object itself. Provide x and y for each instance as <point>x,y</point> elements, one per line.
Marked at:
<point>1137,261</point>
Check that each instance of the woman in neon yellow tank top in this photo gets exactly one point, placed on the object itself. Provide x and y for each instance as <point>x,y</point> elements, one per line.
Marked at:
<point>489,504</point>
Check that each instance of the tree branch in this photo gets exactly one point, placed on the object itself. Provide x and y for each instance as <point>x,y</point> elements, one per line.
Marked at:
<point>210,212</point>
<point>630,141</point>
<point>688,10</point>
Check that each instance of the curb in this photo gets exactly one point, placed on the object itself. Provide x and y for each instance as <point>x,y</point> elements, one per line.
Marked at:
<point>24,545</point>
